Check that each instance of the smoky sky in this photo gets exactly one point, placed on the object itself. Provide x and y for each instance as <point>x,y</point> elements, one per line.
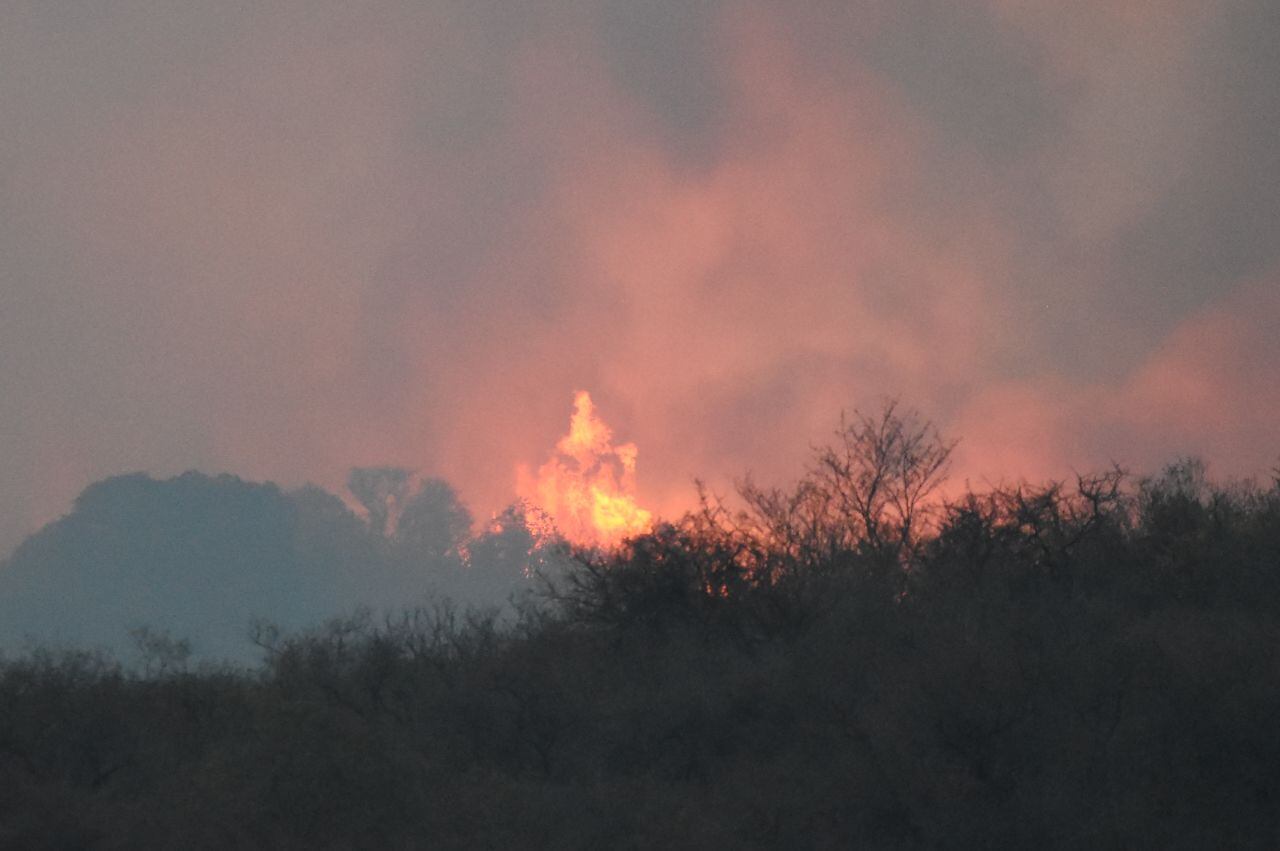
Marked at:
<point>288,239</point>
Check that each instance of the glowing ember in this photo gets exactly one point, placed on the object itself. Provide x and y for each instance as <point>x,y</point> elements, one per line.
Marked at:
<point>587,485</point>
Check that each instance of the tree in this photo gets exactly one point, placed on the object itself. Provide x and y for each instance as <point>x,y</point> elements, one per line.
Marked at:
<point>881,473</point>
<point>381,490</point>
<point>160,653</point>
<point>434,523</point>
<point>869,492</point>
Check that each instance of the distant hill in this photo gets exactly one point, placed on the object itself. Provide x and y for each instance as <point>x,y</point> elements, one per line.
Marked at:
<point>201,557</point>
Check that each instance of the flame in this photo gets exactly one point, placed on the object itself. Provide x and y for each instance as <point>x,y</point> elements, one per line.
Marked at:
<point>587,486</point>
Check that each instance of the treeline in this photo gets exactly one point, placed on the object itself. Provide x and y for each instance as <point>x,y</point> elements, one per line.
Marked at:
<point>202,556</point>
<point>849,663</point>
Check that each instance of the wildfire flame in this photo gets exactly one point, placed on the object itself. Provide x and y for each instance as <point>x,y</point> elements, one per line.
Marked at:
<point>587,486</point>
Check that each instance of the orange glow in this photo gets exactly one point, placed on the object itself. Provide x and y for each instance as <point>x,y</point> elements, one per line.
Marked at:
<point>587,486</point>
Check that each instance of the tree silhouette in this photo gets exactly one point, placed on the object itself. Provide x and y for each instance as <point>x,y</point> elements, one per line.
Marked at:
<point>381,491</point>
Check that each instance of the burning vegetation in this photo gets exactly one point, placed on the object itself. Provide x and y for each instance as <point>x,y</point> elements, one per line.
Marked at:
<point>1075,664</point>
<point>587,486</point>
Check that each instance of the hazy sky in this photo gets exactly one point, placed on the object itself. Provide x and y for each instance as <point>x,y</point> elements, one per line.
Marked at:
<point>283,239</point>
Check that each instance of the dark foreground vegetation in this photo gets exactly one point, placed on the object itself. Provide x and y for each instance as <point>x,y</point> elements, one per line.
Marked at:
<point>1090,664</point>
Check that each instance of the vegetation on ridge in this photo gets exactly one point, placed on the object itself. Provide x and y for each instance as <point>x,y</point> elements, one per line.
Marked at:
<point>850,663</point>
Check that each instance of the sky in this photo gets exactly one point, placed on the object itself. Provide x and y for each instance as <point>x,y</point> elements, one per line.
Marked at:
<point>286,239</point>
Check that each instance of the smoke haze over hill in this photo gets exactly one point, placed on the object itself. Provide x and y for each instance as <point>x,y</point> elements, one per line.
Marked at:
<point>202,559</point>
<point>291,239</point>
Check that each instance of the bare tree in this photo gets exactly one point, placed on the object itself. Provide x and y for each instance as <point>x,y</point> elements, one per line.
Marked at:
<point>870,490</point>
<point>160,653</point>
<point>882,472</point>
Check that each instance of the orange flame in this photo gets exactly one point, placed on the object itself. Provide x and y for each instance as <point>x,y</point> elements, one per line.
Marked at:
<point>587,486</point>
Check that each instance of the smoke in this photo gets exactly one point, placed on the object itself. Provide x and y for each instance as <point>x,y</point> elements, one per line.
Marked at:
<point>289,241</point>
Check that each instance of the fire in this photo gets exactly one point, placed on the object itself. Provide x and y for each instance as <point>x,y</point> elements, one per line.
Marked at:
<point>587,486</point>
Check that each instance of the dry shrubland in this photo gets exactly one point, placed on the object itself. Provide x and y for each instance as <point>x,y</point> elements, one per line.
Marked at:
<point>853,662</point>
